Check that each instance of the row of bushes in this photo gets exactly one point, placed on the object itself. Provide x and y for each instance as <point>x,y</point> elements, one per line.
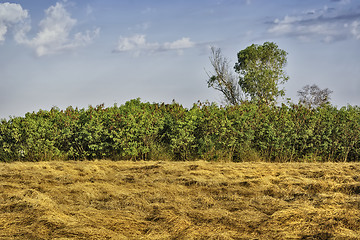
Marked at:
<point>138,130</point>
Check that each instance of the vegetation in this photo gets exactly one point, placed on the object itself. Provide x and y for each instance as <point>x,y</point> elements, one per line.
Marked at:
<point>179,200</point>
<point>223,78</point>
<point>260,69</point>
<point>221,199</point>
<point>138,130</point>
<point>242,131</point>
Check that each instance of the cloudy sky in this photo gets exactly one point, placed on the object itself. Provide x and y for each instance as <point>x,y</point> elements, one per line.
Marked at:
<point>80,53</point>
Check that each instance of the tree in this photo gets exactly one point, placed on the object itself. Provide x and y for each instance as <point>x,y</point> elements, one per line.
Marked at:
<point>260,69</point>
<point>223,79</point>
<point>313,97</point>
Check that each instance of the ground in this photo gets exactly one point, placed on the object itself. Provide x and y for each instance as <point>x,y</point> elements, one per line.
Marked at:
<point>179,200</point>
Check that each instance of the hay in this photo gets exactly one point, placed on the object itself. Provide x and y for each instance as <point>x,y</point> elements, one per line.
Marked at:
<point>179,200</point>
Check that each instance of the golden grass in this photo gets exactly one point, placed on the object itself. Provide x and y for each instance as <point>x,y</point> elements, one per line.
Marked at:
<point>179,200</point>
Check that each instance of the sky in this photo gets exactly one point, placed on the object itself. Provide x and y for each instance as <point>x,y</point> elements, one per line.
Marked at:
<point>60,53</point>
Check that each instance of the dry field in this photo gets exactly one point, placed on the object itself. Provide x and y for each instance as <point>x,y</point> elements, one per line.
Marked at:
<point>179,200</point>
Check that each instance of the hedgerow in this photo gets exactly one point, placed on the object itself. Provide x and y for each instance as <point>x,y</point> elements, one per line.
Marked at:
<point>151,131</point>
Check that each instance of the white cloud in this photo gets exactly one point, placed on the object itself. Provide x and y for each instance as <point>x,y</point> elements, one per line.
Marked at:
<point>55,33</point>
<point>128,44</point>
<point>326,24</point>
<point>179,44</point>
<point>137,44</point>
<point>283,26</point>
<point>11,14</point>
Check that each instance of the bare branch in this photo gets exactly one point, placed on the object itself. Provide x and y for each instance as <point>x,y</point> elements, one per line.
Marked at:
<point>312,96</point>
<point>223,79</point>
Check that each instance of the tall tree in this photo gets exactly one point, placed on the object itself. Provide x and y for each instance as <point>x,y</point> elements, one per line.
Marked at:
<point>313,97</point>
<point>223,78</point>
<point>261,71</point>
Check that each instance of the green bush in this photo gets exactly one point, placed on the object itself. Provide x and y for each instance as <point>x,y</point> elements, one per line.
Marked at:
<point>151,131</point>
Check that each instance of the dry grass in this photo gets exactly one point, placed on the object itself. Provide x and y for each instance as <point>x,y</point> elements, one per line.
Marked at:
<point>179,200</point>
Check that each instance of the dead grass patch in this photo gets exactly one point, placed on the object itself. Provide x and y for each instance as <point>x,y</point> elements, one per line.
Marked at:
<point>179,200</point>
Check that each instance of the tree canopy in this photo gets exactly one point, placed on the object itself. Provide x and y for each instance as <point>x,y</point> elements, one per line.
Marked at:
<point>261,71</point>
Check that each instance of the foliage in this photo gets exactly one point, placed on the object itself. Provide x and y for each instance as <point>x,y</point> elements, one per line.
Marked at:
<point>260,69</point>
<point>152,131</point>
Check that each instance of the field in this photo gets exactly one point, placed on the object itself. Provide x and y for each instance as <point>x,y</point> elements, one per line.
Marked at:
<point>179,200</point>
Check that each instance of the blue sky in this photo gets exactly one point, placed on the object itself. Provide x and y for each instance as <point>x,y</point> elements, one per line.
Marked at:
<point>80,53</point>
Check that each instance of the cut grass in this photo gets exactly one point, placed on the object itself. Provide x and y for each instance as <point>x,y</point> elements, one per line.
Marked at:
<point>179,200</point>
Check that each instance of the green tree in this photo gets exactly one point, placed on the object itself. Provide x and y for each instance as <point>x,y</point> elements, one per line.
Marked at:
<point>261,71</point>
